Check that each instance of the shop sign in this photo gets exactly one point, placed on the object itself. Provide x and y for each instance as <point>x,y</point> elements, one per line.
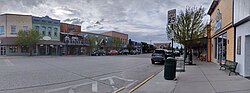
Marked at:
<point>218,19</point>
<point>46,38</point>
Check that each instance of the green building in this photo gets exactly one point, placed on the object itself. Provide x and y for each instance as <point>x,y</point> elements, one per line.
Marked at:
<point>49,30</point>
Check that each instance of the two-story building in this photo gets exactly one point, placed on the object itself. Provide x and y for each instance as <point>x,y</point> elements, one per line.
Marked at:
<point>222,32</point>
<point>122,36</point>
<point>10,25</point>
<point>75,44</point>
<point>49,30</point>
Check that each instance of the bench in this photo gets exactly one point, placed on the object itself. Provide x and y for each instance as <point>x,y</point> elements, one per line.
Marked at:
<point>229,65</point>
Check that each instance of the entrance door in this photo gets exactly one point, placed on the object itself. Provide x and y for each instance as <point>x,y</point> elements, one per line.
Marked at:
<point>2,50</point>
<point>247,55</point>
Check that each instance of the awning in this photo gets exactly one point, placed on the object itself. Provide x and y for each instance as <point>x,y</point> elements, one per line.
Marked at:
<point>8,41</point>
<point>50,42</point>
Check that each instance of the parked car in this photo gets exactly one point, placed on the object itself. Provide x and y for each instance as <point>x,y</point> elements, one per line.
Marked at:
<point>98,53</point>
<point>160,55</point>
<point>177,53</point>
<point>112,52</point>
<point>124,52</point>
<point>133,52</point>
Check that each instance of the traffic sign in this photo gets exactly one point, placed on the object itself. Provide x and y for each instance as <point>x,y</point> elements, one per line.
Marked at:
<point>171,16</point>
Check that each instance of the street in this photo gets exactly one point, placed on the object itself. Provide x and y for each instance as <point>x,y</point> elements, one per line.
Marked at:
<point>74,74</point>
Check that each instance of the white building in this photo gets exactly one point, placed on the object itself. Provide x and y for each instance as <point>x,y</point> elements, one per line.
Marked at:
<point>242,28</point>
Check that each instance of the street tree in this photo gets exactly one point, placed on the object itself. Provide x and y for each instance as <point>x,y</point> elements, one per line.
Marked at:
<point>116,42</point>
<point>189,26</point>
<point>92,43</point>
<point>28,38</point>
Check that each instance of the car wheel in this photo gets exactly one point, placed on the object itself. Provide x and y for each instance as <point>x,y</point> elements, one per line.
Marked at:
<point>152,62</point>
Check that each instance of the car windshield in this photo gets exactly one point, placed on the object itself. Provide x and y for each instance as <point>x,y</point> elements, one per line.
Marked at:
<point>159,51</point>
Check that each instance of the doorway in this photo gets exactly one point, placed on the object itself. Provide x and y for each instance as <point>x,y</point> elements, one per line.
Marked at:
<point>247,54</point>
<point>2,50</point>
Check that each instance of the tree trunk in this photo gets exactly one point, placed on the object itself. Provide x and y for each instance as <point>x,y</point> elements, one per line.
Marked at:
<point>30,50</point>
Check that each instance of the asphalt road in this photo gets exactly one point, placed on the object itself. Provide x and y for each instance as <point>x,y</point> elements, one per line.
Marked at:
<point>70,74</point>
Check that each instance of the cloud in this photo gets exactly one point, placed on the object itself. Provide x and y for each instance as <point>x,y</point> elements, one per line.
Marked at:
<point>143,20</point>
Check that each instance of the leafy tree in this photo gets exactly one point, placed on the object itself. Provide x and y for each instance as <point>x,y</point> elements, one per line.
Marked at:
<point>116,42</point>
<point>189,26</point>
<point>92,42</point>
<point>28,38</point>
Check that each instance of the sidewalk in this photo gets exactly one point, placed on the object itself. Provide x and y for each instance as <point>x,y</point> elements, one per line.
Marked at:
<point>205,77</point>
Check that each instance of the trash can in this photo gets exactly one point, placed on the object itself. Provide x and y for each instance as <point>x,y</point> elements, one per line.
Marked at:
<point>169,68</point>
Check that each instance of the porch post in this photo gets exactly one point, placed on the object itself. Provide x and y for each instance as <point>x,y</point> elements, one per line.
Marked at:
<point>56,49</point>
<point>46,50</point>
<point>37,51</point>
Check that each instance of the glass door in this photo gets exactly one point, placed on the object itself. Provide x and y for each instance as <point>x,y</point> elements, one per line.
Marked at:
<point>2,50</point>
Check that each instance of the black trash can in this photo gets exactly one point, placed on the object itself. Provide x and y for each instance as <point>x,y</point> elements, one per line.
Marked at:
<point>169,68</point>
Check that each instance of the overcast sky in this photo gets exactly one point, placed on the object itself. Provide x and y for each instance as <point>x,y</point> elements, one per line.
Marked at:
<point>142,20</point>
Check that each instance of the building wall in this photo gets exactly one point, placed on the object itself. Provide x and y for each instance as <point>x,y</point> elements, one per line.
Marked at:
<point>122,36</point>
<point>225,8</point>
<point>242,9</point>
<point>243,31</point>
<point>47,22</point>
<point>8,20</point>
<point>66,28</point>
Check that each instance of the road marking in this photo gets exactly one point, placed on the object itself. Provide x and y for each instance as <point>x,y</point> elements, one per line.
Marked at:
<point>131,84</point>
<point>94,86</point>
<point>112,83</point>
<point>118,90</point>
<point>71,89</point>
<point>8,62</point>
<point>136,87</point>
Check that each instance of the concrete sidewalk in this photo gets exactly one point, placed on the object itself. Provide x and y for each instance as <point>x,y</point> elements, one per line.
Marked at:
<point>205,77</point>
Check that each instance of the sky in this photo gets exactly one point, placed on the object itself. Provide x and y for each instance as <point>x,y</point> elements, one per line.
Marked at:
<point>142,20</point>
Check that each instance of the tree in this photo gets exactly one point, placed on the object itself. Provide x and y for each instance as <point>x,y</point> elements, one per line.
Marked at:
<point>92,43</point>
<point>28,38</point>
<point>116,42</point>
<point>189,26</point>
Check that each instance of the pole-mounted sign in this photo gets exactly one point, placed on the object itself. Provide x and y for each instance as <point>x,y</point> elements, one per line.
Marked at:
<point>171,21</point>
<point>171,16</point>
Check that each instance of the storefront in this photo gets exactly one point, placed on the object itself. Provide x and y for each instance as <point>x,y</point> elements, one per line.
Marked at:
<point>49,47</point>
<point>242,25</point>
<point>221,36</point>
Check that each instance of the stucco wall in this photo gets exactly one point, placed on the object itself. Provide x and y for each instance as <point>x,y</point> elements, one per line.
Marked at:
<point>3,23</point>
<point>242,9</point>
<point>225,7</point>
<point>242,30</point>
<point>17,20</point>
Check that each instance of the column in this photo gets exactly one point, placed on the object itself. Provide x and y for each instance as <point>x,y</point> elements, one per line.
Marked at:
<point>56,49</point>
<point>46,50</point>
<point>37,50</point>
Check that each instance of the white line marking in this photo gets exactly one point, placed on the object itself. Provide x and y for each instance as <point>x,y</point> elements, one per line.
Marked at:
<point>68,87</point>
<point>71,90</point>
<point>94,86</point>
<point>8,62</point>
<point>131,84</point>
<point>112,83</point>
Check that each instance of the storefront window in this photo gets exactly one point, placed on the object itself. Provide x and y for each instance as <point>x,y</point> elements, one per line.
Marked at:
<point>215,48</point>
<point>24,49</point>
<point>220,45</point>
<point>13,49</point>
